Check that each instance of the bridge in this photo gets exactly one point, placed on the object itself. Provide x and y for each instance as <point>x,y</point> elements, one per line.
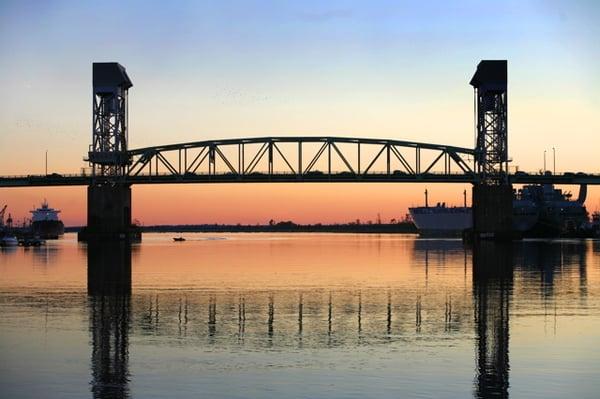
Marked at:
<point>284,159</point>
<point>319,159</point>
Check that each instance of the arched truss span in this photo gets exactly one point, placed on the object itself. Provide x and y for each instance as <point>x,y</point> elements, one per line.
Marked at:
<point>303,159</point>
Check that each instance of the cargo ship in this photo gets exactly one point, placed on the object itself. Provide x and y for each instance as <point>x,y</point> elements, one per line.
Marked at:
<point>538,211</point>
<point>441,220</point>
<point>45,222</point>
<point>559,215</point>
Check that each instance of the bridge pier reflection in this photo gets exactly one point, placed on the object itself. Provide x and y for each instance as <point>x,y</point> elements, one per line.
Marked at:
<point>109,268</point>
<point>109,301</point>
<point>338,318</point>
<point>492,289</point>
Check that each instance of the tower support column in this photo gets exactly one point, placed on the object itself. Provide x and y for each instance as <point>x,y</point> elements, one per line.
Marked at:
<point>109,214</point>
<point>109,197</point>
<point>492,212</point>
<point>492,194</point>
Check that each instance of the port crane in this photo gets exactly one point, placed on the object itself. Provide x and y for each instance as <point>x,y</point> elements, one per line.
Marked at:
<point>2,212</point>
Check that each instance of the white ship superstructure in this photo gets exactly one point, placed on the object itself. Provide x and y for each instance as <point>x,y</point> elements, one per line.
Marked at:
<point>45,222</point>
<point>44,213</point>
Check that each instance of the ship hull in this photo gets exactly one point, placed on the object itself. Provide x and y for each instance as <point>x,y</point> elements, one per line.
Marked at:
<point>435,233</point>
<point>8,241</point>
<point>452,222</point>
<point>538,211</point>
<point>48,229</point>
<point>442,222</point>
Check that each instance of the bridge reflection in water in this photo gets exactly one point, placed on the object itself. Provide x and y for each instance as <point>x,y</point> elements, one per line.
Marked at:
<point>109,291</point>
<point>492,288</point>
<point>321,318</point>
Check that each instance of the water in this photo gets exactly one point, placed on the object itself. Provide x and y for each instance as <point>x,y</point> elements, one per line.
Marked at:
<point>300,316</point>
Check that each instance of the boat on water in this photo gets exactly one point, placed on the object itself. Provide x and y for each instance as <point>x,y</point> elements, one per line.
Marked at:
<point>441,220</point>
<point>31,242</point>
<point>178,239</point>
<point>45,223</point>
<point>8,240</point>
<point>559,214</point>
<point>538,211</point>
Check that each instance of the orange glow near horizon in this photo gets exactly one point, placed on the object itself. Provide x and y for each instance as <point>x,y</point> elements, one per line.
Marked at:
<point>211,72</point>
<point>255,203</point>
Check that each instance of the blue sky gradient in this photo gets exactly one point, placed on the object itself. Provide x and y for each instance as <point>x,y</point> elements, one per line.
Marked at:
<point>208,64</point>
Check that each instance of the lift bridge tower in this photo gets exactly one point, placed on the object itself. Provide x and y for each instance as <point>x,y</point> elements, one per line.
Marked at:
<point>492,194</point>
<point>109,198</point>
<point>108,152</point>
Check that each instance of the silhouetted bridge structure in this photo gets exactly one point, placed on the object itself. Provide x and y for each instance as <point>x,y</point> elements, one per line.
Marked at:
<point>323,159</point>
<point>298,159</point>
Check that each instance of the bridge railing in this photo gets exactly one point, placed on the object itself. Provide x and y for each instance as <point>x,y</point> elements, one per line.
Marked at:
<point>285,176</point>
<point>288,173</point>
<point>50,176</point>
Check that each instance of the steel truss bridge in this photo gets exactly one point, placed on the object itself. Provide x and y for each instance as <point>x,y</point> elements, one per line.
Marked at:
<point>297,159</point>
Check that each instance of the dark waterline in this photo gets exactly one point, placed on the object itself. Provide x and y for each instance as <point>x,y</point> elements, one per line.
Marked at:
<point>322,315</point>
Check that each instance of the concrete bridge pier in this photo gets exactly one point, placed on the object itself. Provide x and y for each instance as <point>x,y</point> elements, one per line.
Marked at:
<point>492,288</point>
<point>492,212</point>
<point>109,214</point>
<point>109,268</point>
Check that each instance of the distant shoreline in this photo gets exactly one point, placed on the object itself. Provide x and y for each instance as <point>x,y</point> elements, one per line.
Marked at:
<point>282,227</point>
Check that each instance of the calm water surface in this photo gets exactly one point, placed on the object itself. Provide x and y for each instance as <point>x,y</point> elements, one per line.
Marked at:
<point>300,316</point>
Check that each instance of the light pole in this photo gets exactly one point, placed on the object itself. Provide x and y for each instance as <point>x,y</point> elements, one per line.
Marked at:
<point>46,162</point>
<point>544,161</point>
<point>553,160</point>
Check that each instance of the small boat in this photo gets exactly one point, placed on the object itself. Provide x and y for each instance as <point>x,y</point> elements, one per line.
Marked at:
<point>9,241</point>
<point>178,239</point>
<point>31,242</point>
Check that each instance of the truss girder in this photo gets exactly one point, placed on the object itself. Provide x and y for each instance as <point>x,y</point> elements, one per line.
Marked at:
<point>492,142</point>
<point>358,157</point>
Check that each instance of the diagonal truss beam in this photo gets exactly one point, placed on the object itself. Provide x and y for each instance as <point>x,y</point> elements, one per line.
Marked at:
<point>284,158</point>
<point>374,160</point>
<point>316,158</point>
<point>350,168</point>
<point>173,159</point>
<point>435,161</point>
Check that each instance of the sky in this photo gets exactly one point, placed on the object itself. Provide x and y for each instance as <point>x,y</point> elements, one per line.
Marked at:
<point>212,70</point>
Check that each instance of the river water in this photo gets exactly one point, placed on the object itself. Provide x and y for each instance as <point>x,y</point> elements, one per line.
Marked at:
<point>300,316</point>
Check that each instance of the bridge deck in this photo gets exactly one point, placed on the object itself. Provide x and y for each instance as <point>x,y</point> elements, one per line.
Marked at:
<point>298,160</point>
<point>340,177</point>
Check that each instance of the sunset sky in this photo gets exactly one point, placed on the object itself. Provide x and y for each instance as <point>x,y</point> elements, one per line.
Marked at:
<point>210,70</point>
